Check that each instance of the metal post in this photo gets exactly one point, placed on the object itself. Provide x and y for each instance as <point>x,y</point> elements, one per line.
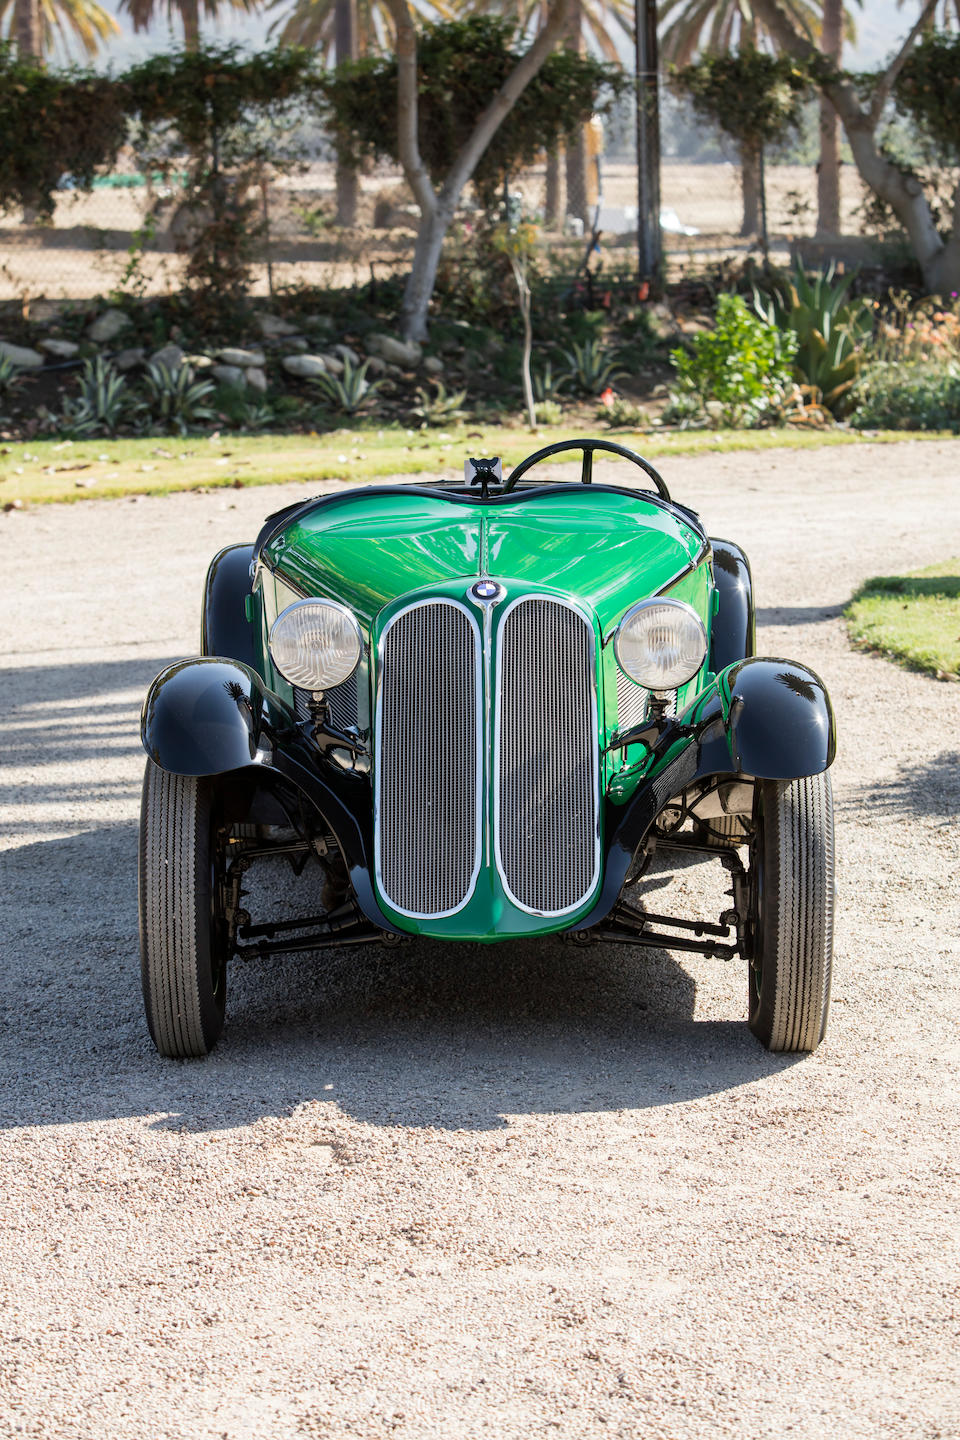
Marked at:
<point>649,244</point>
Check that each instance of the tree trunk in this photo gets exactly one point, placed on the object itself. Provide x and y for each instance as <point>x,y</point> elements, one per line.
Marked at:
<point>828,170</point>
<point>750,184</point>
<point>348,181</point>
<point>190,11</point>
<point>423,273</point>
<point>904,194</point>
<point>437,211</point>
<point>551,202</point>
<point>578,205</point>
<point>27,30</point>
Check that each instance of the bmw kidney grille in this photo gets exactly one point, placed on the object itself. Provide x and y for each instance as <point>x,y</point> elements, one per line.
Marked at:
<point>427,760</point>
<point>430,741</point>
<point>546,797</point>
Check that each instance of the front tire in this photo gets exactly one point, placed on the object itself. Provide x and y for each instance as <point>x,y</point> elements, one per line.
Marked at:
<point>183,949</point>
<point>792,889</point>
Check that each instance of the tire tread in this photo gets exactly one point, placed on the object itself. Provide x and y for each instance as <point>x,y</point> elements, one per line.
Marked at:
<point>174,956</point>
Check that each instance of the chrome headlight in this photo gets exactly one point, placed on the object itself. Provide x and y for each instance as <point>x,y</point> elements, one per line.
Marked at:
<point>660,644</point>
<point>315,644</point>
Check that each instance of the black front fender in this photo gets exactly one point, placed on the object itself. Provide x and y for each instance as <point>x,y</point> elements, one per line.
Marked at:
<point>779,719</point>
<point>210,716</point>
<point>768,719</point>
<point>206,716</point>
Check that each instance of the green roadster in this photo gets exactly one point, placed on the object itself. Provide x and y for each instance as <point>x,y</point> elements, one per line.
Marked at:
<point>478,710</point>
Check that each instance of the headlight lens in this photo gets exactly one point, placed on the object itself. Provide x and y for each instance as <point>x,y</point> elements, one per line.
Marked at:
<point>315,644</point>
<point>660,644</point>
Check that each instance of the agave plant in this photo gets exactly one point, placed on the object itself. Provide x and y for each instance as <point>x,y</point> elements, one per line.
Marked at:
<point>546,385</point>
<point>350,392</point>
<point>439,408</point>
<point>11,375</point>
<point>174,398</point>
<point>102,402</point>
<point>590,368</point>
<point>831,329</point>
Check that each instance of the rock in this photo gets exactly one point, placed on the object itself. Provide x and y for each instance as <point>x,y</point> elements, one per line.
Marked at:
<point>296,345</point>
<point>127,359</point>
<point>109,325</point>
<point>230,375</point>
<point>317,322</point>
<point>346,353</point>
<point>169,356</point>
<point>60,349</point>
<point>433,366</point>
<point>334,364</point>
<point>376,366</point>
<point>405,353</point>
<point>243,358</point>
<point>257,379</point>
<point>198,362</point>
<point>304,365</point>
<point>272,326</point>
<point>19,355</point>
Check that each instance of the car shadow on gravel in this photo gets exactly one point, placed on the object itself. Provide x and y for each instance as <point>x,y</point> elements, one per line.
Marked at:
<point>419,1036</point>
<point>929,787</point>
<point>779,615</point>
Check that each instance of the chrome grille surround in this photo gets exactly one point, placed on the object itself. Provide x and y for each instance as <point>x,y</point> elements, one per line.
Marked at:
<point>428,758</point>
<point>546,781</point>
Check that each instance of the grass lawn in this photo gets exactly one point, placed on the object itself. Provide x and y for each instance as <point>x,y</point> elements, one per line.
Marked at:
<point>912,618</point>
<point>50,470</point>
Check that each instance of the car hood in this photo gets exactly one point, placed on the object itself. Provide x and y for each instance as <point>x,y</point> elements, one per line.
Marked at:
<point>605,549</point>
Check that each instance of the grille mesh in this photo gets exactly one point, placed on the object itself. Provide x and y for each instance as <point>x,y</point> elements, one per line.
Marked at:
<point>631,702</point>
<point>427,748</point>
<point>342,700</point>
<point>547,743</point>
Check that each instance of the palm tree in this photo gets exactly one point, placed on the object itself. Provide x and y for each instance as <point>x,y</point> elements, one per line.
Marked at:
<point>341,30</point>
<point>313,23</point>
<point>691,26</point>
<point>36,25</point>
<point>590,24</point>
<point>943,17</point>
<point>144,12</point>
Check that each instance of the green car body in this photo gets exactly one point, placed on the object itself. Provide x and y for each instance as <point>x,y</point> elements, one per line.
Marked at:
<point>379,554</point>
<point>489,770</point>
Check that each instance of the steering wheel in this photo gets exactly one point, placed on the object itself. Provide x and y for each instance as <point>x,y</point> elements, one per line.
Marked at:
<point>586,472</point>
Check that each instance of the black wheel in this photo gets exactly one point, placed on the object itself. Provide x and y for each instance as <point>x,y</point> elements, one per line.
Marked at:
<point>791,875</point>
<point>183,950</point>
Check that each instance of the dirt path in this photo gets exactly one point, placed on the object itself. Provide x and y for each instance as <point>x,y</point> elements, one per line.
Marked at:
<point>504,1193</point>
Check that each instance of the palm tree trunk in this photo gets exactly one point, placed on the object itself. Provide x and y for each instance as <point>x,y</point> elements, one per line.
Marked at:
<point>577,197</point>
<point>190,11</point>
<point>551,199</point>
<point>750,182</point>
<point>348,181</point>
<point>27,30</point>
<point>828,170</point>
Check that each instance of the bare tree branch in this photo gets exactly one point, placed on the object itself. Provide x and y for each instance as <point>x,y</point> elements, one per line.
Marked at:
<point>889,78</point>
<point>506,97</point>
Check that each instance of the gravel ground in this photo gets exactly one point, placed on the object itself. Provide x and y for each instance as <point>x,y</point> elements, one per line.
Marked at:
<point>502,1191</point>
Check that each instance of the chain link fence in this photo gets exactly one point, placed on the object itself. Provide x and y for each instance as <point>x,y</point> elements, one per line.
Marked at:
<point>128,234</point>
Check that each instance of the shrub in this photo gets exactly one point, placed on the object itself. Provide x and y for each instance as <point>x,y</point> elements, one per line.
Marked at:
<point>894,396</point>
<point>740,372</point>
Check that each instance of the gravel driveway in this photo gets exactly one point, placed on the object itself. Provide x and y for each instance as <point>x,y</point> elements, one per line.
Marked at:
<point>504,1191</point>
